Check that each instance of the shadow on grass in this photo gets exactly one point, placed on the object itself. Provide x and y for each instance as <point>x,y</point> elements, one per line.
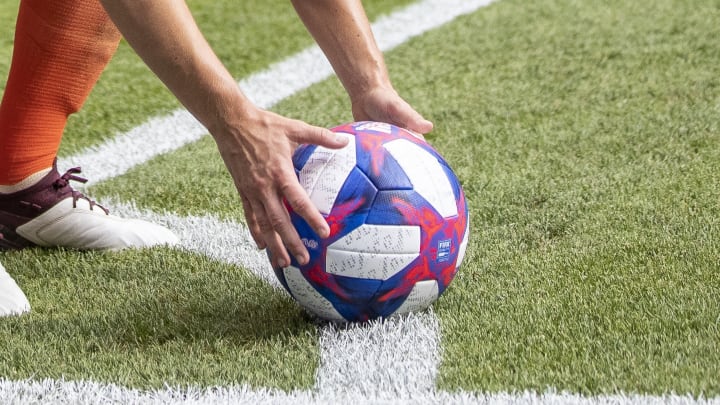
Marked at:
<point>178,317</point>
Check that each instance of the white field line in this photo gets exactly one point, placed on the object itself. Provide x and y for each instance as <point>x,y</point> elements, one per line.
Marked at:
<point>93,393</point>
<point>164,134</point>
<point>398,358</point>
<point>391,362</point>
<point>388,358</point>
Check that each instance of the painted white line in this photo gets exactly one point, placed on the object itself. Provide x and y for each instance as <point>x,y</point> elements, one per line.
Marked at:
<point>397,358</point>
<point>394,359</point>
<point>391,362</point>
<point>51,392</point>
<point>161,135</point>
<point>222,240</point>
<point>383,361</point>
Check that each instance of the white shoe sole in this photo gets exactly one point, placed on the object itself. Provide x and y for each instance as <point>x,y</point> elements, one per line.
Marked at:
<point>12,299</point>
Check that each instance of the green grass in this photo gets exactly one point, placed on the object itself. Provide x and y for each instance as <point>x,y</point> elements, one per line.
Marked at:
<point>151,318</point>
<point>586,138</point>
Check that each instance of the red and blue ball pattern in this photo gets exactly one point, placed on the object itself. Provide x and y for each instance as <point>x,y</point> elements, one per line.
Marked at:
<point>398,225</point>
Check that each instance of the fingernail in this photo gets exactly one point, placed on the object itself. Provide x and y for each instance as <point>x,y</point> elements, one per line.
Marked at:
<point>340,138</point>
<point>281,263</point>
<point>302,259</point>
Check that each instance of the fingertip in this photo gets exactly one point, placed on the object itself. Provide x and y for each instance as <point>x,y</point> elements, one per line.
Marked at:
<point>340,139</point>
<point>429,126</point>
<point>302,259</point>
<point>423,126</point>
<point>322,229</point>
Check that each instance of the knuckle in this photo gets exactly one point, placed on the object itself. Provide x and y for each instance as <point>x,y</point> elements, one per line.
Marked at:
<point>299,204</point>
<point>264,225</point>
<point>276,221</point>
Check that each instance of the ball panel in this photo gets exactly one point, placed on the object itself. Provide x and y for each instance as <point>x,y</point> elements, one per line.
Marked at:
<point>426,174</point>
<point>390,176</point>
<point>401,207</point>
<point>463,245</point>
<point>308,296</point>
<point>332,166</point>
<point>380,239</point>
<point>422,295</point>
<point>366,265</point>
<point>301,155</point>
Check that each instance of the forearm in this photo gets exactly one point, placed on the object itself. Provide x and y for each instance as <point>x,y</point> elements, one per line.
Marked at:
<point>342,30</point>
<point>165,35</point>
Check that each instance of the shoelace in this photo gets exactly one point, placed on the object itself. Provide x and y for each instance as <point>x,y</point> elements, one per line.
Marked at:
<point>65,180</point>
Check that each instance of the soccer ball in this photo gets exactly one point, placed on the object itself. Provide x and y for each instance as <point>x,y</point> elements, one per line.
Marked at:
<point>398,225</point>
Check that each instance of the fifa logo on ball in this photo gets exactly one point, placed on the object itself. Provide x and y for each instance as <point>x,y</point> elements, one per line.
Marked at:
<point>443,250</point>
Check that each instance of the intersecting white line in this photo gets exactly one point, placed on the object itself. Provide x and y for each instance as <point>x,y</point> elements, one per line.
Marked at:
<point>395,361</point>
<point>378,360</point>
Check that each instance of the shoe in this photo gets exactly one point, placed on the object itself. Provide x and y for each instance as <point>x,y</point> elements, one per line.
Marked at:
<point>52,214</point>
<point>12,299</point>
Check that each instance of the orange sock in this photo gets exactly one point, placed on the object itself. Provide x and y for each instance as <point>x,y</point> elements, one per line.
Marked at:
<point>61,47</point>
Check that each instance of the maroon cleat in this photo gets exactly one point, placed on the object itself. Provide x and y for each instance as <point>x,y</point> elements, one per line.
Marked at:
<point>52,214</point>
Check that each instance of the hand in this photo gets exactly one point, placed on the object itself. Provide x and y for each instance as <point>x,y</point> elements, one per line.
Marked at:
<point>258,155</point>
<point>383,104</point>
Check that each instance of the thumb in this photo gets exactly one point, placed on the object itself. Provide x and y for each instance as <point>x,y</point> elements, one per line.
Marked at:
<point>408,118</point>
<point>421,126</point>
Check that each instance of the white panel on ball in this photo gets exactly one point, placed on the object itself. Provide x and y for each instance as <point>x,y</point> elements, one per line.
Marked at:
<point>426,175</point>
<point>332,166</point>
<point>422,295</point>
<point>308,296</point>
<point>463,244</point>
<point>376,266</point>
<point>374,251</point>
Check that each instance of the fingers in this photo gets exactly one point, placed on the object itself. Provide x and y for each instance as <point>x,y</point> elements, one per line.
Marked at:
<point>319,136</point>
<point>271,226</point>
<point>278,233</point>
<point>252,223</point>
<point>298,199</point>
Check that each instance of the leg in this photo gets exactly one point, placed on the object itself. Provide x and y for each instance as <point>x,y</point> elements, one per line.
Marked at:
<point>61,47</point>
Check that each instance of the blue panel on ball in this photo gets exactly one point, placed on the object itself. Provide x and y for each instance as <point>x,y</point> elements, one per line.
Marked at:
<point>389,176</point>
<point>301,155</point>
<point>310,239</point>
<point>388,307</point>
<point>358,190</point>
<point>360,289</point>
<point>405,207</point>
<point>352,205</point>
<point>352,297</point>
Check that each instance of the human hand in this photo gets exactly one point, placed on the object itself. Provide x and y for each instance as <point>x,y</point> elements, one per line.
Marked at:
<point>383,104</point>
<point>258,155</point>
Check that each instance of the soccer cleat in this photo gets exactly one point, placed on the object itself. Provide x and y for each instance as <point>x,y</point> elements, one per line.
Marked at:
<point>12,299</point>
<point>52,214</point>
